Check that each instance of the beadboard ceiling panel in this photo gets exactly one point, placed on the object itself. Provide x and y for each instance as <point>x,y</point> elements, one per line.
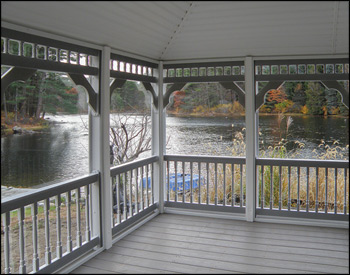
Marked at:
<point>177,30</point>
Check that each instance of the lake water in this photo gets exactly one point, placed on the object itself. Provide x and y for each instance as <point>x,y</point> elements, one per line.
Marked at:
<point>61,152</point>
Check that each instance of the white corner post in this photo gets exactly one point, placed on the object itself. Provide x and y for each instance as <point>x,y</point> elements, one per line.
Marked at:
<point>99,154</point>
<point>158,140</point>
<point>251,137</point>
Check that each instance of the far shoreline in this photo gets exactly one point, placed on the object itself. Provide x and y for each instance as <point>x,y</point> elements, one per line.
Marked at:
<point>205,115</point>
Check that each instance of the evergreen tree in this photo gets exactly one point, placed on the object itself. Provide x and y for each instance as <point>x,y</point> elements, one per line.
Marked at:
<point>315,98</point>
<point>290,88</point>
<point>128,98</point>
<point>41,93</point>
<point>332,101</point>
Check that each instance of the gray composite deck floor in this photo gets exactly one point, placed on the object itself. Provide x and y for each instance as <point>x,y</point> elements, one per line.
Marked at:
<point>172,243</point>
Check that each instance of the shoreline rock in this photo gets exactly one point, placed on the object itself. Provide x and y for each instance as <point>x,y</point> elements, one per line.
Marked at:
<point>19,130</point>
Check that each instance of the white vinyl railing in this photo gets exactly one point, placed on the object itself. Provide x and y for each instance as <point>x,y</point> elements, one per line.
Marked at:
<point>44,230</point>
<point>47,228</point>
<point>205,182</point>
<point>132,191</point>
<point>304,188</point>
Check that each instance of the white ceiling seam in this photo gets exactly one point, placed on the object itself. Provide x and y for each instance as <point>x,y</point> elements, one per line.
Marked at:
<point>178,28</point>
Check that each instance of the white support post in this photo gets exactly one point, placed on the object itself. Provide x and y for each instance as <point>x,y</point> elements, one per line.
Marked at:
<point>158,140</point>
<point>251,129</point>
<point>100,154</point>
<point>256,147</point>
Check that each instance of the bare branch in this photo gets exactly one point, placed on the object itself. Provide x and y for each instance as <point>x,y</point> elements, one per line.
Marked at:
<point>130,137</point>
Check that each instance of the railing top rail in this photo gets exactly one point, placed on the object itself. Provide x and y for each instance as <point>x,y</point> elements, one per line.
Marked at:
<point>303,162</point>
<point>132,165</point>
<point>210,159</point>
<point>21,200</point>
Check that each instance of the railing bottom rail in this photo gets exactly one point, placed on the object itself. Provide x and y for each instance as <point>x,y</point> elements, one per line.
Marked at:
<point>69,257</point>
<point>302,214</point>
<point>205,207</point>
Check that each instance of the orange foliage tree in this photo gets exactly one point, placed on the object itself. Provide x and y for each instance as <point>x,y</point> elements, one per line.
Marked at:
<point>274,97</point>
<point>178,99</point>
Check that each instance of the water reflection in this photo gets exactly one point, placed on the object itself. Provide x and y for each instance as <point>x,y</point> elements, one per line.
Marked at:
<point>61,152</point>
<point>54,155</point>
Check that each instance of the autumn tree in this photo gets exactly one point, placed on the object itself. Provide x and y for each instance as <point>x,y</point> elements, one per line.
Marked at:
<point>274,97</point>
<point>179,99</point>
<point>203,95</point>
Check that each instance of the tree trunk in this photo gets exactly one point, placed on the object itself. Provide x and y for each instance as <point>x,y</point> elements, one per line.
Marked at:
<point>3,102</point>
<point>24,104</point>
<point>16,107</point>
<point>39,106</point>
<point>23,109</point>
<point>40,97</point>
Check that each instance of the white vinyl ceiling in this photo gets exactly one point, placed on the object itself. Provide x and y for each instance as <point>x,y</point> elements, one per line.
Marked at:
<point>177,30</point>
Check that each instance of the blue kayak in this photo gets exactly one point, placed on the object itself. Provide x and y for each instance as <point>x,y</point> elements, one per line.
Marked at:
<point>180,178</point>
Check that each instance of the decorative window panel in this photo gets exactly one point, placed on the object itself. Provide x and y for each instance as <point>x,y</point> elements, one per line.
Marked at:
<point>284,69</point>
<point>139,69</point>
<point>28,50</point>
<point>339,69</point>
<point>292,69</point>
<point>14,47</point>
<point>41,52</point>
<point>133,68</point>
<point>202,71</point>
<point>128,68</point>
<point>52,54</point>
<point>274,69</point>
<point>194,71</point>
<point>236,70</point>
<point>320,69</point>
<point>115,65</point>
<point>329,69</point>
<point>171,73</point>
<point>63,56</point>
<point>302,69</point>
<point>73,57</point>
<point>211,71</point>
<point>187,72</point>
<point>219,71</point>
<point>178,72</point>
<point>83,60</point>
<point>121,66</point>
<point>310,69</point>
<point>265,69</point>
<point>257,70</point>
<point>3,45</point>
<point>227,70</point>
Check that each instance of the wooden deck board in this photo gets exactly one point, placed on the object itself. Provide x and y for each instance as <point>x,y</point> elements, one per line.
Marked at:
<point>172,243</point>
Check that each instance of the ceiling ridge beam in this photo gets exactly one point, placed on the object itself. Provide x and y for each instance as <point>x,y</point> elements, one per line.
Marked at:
<point>179,26</point>
<point>335,23</point>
